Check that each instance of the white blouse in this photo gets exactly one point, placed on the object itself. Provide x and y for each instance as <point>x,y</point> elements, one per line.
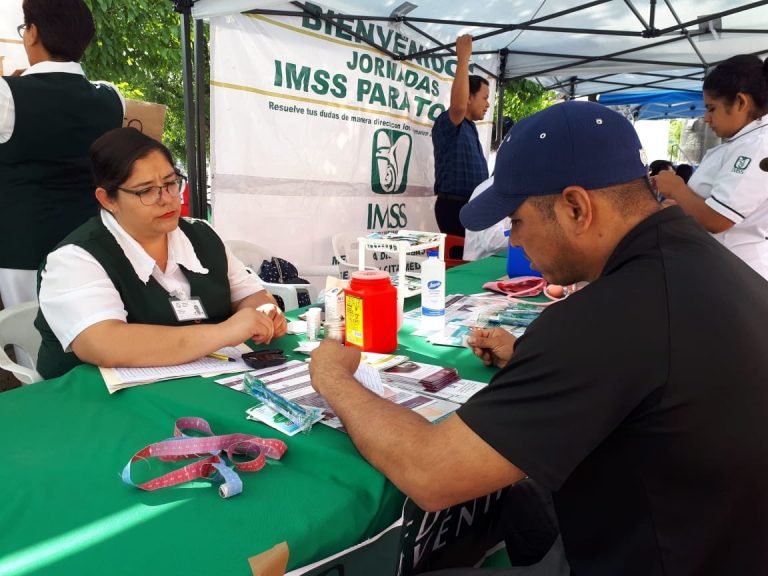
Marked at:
<point>733,185</point>
<point>76,292</point>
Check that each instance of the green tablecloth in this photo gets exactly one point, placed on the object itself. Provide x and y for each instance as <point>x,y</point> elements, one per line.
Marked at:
<point>65,510</point>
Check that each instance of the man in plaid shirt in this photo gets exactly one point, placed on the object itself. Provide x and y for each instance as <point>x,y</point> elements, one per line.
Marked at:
<point>459,161</point>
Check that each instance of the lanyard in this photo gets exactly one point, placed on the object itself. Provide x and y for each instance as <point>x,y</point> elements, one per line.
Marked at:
<point>213,466</point>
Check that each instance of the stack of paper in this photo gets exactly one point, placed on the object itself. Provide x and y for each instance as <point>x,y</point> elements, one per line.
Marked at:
<point>119,378</point>
<point>430,378</point>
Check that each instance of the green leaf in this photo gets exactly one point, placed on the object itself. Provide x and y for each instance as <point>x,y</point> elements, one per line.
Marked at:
<point>137,48</point>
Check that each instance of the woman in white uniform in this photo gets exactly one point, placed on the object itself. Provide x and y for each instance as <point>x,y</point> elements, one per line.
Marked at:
<point>728,194</point>
<point>137,286</point>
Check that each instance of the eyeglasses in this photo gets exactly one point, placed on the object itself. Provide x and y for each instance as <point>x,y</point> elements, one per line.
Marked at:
<point>20,29</point>
<point>151,196</point>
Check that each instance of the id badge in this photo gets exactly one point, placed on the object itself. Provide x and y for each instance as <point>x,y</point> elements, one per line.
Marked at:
<point>187,310</point>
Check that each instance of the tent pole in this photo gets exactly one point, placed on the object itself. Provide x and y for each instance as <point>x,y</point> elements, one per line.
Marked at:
<point>647,29</point>
<point>712,17</point>
<point>511,27</point>
<point>449,50</point>
<point>184,7</point>
<point>612,56</point>
<point>202,133</point>
<point>501,89</point>
<point>686,33</point>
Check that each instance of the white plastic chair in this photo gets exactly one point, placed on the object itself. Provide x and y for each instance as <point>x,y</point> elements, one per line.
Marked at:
<point>252,255</point>
<point>345,250</point>
<point>17,328</point>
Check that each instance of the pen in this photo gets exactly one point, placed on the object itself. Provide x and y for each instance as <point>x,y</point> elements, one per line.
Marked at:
<point>221,357</point>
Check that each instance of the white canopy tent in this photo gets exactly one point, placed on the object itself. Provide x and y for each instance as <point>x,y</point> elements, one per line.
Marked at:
<point>601,46</point>
<point>580,48</point>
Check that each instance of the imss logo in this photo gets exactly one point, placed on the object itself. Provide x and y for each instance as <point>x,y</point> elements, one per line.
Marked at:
<point>390,158</point>
<point>741,164</point>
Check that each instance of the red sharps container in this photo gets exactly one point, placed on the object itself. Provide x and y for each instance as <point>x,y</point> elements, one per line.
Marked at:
<point>371,312</point>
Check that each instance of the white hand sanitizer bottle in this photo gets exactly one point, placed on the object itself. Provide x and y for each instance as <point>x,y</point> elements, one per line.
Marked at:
<point>432,293</point>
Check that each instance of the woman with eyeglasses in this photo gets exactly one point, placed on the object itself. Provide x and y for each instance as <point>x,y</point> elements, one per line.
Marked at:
<point>137,285</point>
<point>728,194</point>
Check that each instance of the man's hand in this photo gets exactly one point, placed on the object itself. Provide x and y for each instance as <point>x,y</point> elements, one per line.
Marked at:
<point>273,312</point>
<point>460,86</point>
<point>332,362</point>
<point>493,345</point>
<point>464,47</point>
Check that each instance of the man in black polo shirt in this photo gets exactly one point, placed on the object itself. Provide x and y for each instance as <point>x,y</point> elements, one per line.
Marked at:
<point>459,161</point>
<point>49,116</point>
<point>640,400</point>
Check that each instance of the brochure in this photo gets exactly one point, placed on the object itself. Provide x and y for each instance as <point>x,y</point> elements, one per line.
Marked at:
<point>463,313</point>
<point>270,417</point>
<point>292,381</point>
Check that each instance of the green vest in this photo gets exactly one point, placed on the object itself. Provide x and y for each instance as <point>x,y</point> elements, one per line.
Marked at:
<point>145,303</point>
<point>46,186</point>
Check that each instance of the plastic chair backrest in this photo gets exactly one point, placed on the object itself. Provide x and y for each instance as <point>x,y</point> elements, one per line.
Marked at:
<point>345,246</point>
<point>252,255</point>
<point>17,328</point>
<point>345,250</point>
<point>454,246</point>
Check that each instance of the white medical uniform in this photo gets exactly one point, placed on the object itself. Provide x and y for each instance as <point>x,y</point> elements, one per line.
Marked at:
<point>732,184</point>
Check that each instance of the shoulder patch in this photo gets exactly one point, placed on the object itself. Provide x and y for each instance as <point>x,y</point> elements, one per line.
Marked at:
<point>741,164</point>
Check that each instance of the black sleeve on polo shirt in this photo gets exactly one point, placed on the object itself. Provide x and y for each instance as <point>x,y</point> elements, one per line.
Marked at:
<point>580,370</point>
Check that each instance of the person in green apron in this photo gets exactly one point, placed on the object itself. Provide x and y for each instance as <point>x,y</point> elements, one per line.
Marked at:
<point>138,286</point>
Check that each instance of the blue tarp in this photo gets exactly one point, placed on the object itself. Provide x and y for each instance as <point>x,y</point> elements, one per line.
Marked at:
<point>658,104</point>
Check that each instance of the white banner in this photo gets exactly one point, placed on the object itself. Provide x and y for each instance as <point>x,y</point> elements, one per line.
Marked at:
<point>12,54</point>
<point>314,131</point>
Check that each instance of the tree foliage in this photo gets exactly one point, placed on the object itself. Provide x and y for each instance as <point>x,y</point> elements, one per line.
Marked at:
<point>673,145</point>
<point>137,47</point>
<point>524,97</point>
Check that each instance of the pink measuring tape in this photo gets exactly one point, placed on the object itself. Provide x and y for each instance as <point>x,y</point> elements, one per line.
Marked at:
<point>521,287</point>
<point>528,286</point>
<point>212,466</point>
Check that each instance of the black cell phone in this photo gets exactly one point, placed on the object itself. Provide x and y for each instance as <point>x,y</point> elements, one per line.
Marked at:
<point>264,358</point>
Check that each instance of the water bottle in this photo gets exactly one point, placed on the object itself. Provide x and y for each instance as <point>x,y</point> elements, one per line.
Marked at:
<point>432,293</point>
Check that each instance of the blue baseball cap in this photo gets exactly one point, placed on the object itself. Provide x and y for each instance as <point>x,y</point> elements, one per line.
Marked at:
<point>569,144</point>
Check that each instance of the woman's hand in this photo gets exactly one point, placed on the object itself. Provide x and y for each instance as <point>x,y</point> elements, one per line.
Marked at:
<point>273,312</point>
<point>669,184</point>
<point>264,305</point>
<point>250,323</point>
<point>673,187</point>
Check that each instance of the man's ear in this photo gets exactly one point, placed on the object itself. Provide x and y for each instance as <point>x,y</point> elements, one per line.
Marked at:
<point>574,208</point>
<point>31,35</point>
